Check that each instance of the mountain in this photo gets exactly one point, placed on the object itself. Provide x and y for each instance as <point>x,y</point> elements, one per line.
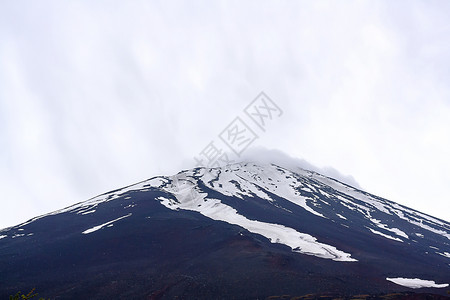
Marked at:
<point>243,231</point>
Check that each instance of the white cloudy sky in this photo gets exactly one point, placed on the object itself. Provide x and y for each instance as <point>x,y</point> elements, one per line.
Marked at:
<point>95,95</point>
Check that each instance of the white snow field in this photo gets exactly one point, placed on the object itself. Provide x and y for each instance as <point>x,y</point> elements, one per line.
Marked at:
<point>416,283</point>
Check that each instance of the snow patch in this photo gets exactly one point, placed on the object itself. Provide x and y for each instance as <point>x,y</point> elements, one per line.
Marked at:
<point>250,180</point>
<point>156,182</point>
<point>385,227</point>
<point>216,210</point>
<point>445,254</point>
<point>416,283</point>
<point>417,218</point>
<point>341,216</point>
<point>95,228</point>
<point>385,235</point>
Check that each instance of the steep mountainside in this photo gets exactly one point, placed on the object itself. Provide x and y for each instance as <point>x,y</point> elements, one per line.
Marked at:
<point>244,231</point>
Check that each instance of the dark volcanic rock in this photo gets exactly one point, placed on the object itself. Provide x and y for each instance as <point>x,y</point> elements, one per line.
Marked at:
<point>239,232</point>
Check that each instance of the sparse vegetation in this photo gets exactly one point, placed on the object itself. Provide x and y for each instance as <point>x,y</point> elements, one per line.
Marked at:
<point>20,296</point>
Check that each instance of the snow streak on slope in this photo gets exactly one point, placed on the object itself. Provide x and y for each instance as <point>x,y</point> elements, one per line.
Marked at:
<point>388,207</point>
<point>312,192</point>
<point>416,283</point>
<point>445,254</point>
<point>253,180</point>
<point>216,210</point>
<point>107,224</point>
<point>385,235</point>
<point>88,206</point>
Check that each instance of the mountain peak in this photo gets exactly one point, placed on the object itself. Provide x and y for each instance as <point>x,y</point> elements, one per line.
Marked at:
<point>246,220</point>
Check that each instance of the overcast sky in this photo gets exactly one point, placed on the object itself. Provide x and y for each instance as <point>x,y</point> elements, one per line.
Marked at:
<point>95,95</point>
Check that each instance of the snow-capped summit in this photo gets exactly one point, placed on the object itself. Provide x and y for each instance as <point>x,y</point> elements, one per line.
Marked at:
<point>209,231</point>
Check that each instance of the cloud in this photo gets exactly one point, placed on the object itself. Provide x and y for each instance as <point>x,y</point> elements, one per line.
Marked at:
<point>278,157</point>
<point>94,97</point>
